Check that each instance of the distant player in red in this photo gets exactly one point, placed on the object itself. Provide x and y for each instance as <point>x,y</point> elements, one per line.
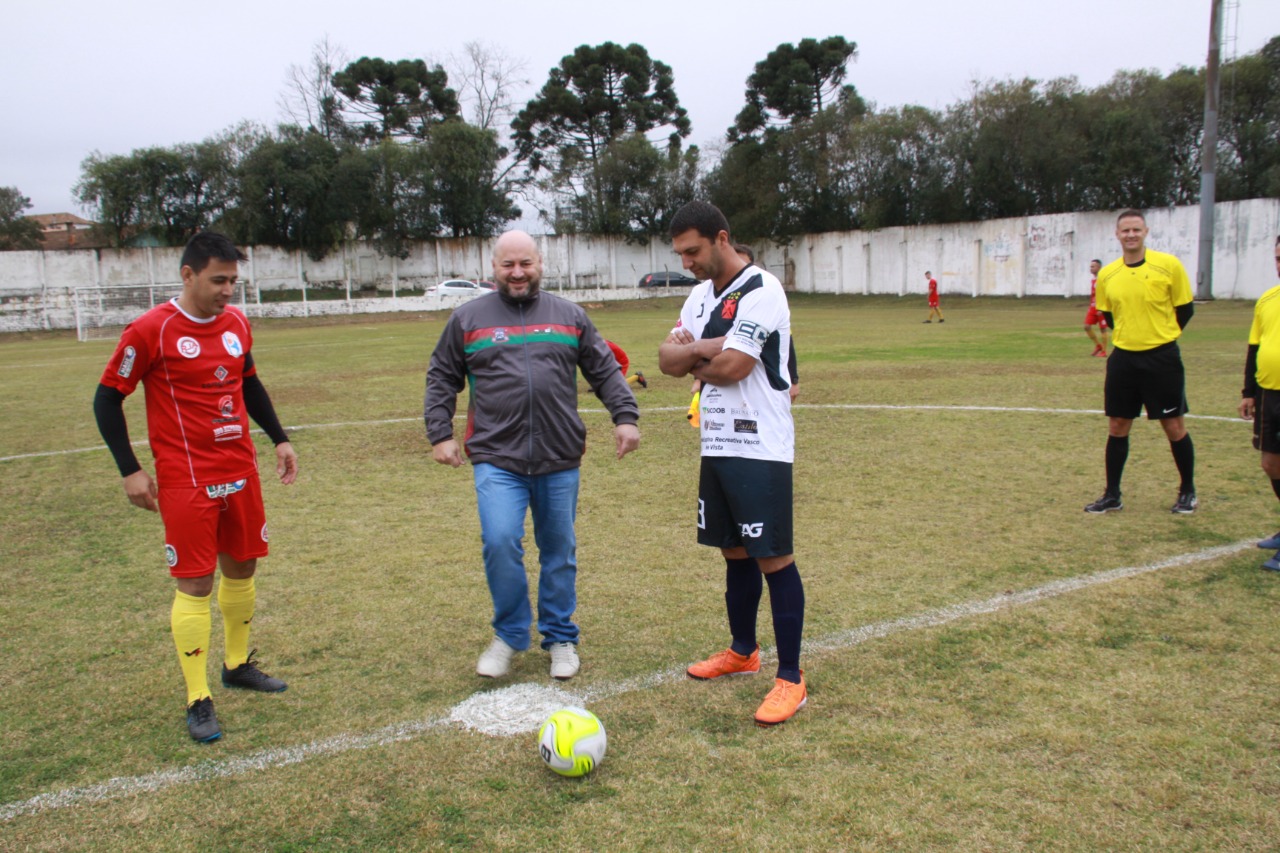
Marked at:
<point>933,298</point>
<point>1093,317</point>
<point>620,354</point>
<point>194,355</point>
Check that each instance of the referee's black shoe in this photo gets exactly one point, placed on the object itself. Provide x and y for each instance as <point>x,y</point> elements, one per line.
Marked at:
<point>247,676</point>
<point>1185,504</point>
<point>201,722</point>
<point>1107,503</point>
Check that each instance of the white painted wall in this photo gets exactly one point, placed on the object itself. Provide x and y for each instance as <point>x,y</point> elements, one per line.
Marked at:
<point>1027,256</point>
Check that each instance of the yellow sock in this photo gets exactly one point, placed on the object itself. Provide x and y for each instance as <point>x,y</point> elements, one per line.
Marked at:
<point>236,599</point>
<point>190,621</point>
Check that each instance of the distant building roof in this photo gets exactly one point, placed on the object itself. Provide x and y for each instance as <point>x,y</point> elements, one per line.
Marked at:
<point>60,221</point>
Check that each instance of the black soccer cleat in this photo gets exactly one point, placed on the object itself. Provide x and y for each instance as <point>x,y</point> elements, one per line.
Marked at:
<point>1107,503</point>
<point>641,380</point>
<point>1185,504</point>
<point>247,676</point>
<point>201,722</point>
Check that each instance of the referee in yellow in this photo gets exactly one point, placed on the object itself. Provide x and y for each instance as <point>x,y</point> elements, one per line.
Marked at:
<point>1146,297</point>
<point>1261,396</point>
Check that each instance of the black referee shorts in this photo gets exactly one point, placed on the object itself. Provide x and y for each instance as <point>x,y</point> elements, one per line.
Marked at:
<point>1266,421</point>
<point>1152,378</point>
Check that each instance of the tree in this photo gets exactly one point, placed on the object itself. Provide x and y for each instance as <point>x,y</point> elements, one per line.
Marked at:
<point>301,190</point>
<point>595,96</point>
<point>310,99</point>
<point>402,99</point>
<point>487,79</point>
<point>471,195</point>
<point>16,230</point>
<point>795,83</point>
<point>1249,161</point>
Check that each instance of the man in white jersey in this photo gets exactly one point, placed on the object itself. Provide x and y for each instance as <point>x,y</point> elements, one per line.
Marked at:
<point>734,336</point>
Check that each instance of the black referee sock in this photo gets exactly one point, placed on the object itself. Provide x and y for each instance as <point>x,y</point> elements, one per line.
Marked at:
<point>1117,455</point>
<point>1275,487</point>
<point>786,599</point>
<point>742,590</point>
<point>1184,456</point>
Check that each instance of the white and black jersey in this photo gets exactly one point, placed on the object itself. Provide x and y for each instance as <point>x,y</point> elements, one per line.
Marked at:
<point>750,419</point>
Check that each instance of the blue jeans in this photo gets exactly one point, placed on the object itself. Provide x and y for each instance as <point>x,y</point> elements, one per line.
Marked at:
<point>502,499</point>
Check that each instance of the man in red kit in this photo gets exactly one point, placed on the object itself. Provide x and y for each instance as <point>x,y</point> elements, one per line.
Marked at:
<point>1093,317</point>
<point>933,298</point>
<point>194,354</point>
<point>624,364</point>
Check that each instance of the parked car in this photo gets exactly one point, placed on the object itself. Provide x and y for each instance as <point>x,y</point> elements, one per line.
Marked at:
<point>667,278</point>
<point>487,285</point>
<point>456,287</point>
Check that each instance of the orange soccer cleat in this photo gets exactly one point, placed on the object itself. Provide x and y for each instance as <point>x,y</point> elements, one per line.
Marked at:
<point>727,662</point>
<point>783,701</point>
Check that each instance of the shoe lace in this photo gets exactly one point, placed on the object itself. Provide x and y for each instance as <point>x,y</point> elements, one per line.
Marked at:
<point>202,710</point>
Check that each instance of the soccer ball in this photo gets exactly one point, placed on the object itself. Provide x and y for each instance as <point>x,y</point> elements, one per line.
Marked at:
<point>572,741</point>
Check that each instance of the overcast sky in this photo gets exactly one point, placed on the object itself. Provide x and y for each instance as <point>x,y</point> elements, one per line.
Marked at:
<point>78,76</point>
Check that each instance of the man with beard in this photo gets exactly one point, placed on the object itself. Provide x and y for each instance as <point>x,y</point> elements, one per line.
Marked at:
<point>518,351</point>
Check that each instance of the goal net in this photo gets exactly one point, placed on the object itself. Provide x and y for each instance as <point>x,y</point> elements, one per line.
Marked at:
<point>103,312</point>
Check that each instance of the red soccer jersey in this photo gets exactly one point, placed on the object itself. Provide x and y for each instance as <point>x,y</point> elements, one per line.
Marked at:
<point>193,371</point>
<point>1093,294</point>
<point>620,355</point>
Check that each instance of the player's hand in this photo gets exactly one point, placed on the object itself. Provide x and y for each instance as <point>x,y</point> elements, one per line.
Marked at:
<point>794,391</point>
<point>1246,408</point>
<point>141,491</point>
<point>679,336</point>
<point>627,437</point>
<point>286,462</point>
<point>447,453</point>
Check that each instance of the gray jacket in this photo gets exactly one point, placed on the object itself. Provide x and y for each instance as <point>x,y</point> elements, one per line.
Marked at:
<point>520,361</point>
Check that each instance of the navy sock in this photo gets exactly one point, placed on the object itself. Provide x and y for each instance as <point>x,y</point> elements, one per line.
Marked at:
<point>742,590</point>
<point>1184,456</point>
<point>1117,455</point>
<point>786,599</point>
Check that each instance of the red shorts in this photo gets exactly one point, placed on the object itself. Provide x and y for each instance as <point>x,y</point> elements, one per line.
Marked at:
<point>201,523</point>
<point>1094,318</point>
<point>933,300</point>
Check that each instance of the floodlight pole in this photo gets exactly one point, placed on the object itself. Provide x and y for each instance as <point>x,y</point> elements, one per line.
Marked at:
<point>1209,155</point>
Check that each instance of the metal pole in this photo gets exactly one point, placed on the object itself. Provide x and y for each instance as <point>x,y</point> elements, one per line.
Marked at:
<point>1209,155</point>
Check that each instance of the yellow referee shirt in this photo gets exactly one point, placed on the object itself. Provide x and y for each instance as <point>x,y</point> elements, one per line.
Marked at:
<point>1265,333</point>
<point>1141,299</point>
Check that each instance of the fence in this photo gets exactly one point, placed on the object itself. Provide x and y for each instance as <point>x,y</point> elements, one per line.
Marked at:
<point>1025,256</point>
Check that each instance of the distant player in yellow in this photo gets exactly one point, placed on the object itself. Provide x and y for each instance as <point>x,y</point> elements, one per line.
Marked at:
<point>1146,298</point>
<point>1261,395</point>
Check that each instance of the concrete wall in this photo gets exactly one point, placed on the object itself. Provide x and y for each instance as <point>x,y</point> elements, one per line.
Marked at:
<point>1028,256</point>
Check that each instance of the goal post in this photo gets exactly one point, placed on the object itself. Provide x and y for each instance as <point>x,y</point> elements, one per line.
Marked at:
<point>102,312</point>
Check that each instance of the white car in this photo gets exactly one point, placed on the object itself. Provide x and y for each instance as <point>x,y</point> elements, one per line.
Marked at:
<point>457,287</point>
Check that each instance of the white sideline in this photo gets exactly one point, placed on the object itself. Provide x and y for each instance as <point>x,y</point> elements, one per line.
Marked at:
<point>842,406</point>
<point>522,707</point>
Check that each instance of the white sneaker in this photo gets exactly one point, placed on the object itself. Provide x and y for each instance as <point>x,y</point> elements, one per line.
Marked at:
<point>564,660</point>
<point>496,660</point>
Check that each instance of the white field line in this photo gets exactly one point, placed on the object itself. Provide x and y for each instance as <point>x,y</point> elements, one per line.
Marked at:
<point>838,406</point>
<point>522,707</point>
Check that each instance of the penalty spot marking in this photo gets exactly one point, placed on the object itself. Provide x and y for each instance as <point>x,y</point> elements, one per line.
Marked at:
<point>522,708</point>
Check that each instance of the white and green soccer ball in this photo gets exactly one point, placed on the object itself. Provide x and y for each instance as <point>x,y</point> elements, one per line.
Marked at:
<point>572,741</point>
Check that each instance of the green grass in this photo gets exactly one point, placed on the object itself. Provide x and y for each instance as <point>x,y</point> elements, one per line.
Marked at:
<point>1140,713</point>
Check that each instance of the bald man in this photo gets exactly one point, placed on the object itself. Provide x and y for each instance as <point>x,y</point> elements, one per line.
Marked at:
<point>519,351</point>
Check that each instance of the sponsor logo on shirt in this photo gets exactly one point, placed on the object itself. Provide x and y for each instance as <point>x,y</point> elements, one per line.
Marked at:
<point>729,308</point>
<point>713,425</point>
<point>712,393</point>
<point>745,426</point>
<point>751,331</point>
<point>713,410</point>
<point>189,347</point>
<point>221,373</point>
<point>224,489</point>
<point>126,363</point>
<point>500,336</point>
<point>229,432</point>
<point>227,405</point>
<point>232,344</point>
<point>170,555</point>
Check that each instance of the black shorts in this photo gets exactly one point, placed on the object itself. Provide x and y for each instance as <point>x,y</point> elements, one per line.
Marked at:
<point>745,503</point>
<point>1152,378</point>
<point>1266,421</point>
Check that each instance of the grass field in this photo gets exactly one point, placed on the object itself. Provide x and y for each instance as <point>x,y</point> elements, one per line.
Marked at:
<point>1138,710</point>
